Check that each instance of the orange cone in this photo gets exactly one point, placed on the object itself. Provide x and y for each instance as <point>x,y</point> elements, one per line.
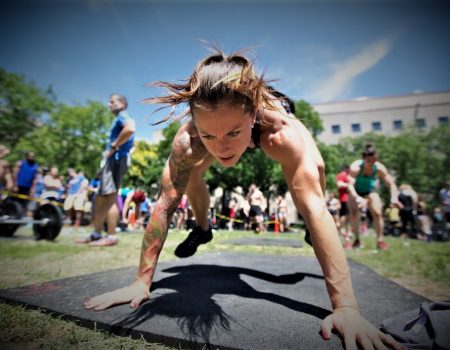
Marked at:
<point>133,219</point>
<point>276,227</point>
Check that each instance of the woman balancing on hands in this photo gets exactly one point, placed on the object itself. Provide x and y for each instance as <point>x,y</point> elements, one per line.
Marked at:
<point>231,109</point>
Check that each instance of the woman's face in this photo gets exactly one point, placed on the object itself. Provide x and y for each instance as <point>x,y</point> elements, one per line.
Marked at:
<point>225,132</point>
<point>370,159</point>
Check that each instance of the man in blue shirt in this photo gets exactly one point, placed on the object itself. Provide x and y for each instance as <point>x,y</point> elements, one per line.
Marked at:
<point>24,178</point>
<point>114,165</point>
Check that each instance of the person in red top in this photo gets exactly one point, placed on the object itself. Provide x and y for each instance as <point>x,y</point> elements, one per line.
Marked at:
<point>342,184</point>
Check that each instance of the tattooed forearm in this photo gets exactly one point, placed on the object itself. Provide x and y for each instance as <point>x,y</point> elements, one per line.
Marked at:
<point>174,181</point>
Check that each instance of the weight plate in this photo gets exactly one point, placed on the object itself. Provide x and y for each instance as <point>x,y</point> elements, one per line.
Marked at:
<point>12,210</point>
<point>50,230</point>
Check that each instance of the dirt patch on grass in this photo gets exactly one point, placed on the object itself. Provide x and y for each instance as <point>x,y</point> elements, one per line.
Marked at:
<point>432,290</point>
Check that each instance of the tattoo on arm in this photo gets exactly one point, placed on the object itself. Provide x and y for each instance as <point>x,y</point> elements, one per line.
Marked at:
<point>174,181</point>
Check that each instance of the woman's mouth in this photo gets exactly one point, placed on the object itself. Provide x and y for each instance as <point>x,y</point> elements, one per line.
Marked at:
<point>226,158</point>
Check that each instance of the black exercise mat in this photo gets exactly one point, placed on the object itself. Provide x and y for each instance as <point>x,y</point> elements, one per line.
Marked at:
<point>277,242</point>
<point>227,300</point>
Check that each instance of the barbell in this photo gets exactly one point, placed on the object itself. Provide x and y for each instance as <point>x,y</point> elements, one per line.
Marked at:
<point>47,220</point>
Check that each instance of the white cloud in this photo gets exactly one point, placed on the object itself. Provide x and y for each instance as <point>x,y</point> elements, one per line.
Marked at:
<point>346,72</point>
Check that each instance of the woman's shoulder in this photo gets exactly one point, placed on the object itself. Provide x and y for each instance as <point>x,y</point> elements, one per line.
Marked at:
<point>187,144</point>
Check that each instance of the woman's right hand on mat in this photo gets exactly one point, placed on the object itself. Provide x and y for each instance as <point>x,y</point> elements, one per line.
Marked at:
<point>134,294</point>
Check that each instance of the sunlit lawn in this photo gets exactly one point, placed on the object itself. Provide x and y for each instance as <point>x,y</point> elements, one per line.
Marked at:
<point>419,266</point>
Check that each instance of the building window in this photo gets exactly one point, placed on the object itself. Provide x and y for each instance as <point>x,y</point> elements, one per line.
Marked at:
<point>356,127</point>
<point>443,120</point>
<point>398,124</point>
<point>376,126</point>
<point>335,129</point>
<point>420,123</point>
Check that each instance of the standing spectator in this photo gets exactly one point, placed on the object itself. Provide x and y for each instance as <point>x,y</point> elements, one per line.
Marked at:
<point>77,191</point>
<point>182,212</point>
<point>334,205</point>
<point>342,185</point>
<point>444,196</point>
<point>116,158</point>
<point>363,175</point>
<point>233,206</point>
<point>281,205</point>
<point>409,199</point>
<point>23,175</point>
<point>38,187</point>
<point>4,151</point>
<point>52,185</point>
<point>92,190</point>
<point>6,178</point>
<point>146,210</point>
<point>256,201</point>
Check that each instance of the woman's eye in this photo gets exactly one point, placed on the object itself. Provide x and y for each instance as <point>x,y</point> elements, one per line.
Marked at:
<point>233,134</point>
<point>207,137</point>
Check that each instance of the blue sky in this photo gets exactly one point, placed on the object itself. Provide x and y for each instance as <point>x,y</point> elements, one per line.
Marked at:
<point>317,50</point>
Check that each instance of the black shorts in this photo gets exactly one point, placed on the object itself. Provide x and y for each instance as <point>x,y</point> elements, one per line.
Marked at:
<point>111,175</point>
<point>255,210</point>
<point>363,194</point>
<point>344,209</point>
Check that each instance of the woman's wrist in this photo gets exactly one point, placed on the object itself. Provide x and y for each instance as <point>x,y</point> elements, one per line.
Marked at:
<point>346,306</point>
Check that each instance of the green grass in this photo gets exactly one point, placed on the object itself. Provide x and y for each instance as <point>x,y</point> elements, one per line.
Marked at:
<point>407,258</point>
<point>422,267</point>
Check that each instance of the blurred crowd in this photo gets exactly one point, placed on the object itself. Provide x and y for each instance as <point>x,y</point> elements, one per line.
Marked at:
<point>31,184</point>
<point>74,193</point>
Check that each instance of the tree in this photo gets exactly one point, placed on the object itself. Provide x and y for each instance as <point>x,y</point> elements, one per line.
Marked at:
<point>413,157</point>
<point>308,116</point>
<point>253,167</point>
<point>23,107</point>
<point>73,136</point>
<point>142,172</point>
<point>147,161</point>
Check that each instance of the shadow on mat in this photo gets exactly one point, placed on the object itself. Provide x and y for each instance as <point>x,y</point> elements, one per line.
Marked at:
<point>192,302</point>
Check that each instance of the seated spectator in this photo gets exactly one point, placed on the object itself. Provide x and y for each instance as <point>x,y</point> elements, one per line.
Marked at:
<point>423,222</point>
<point>393,220</point>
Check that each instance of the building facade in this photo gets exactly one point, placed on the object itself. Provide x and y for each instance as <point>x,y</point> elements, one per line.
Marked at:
<point>384,115</point>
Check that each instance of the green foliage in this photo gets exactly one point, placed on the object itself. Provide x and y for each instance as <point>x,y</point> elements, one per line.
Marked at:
<point>23,107</point>
<point>413,157</point>
<point>147,161</point>
<point>73,136</point>
<point>143,172</point>
<point>308,116</point>
<point>333,162</point>
<point>253,167</point>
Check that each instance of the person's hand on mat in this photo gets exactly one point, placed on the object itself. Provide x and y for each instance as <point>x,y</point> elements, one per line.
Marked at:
<point>353,328</point>
<point>134,294</point>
